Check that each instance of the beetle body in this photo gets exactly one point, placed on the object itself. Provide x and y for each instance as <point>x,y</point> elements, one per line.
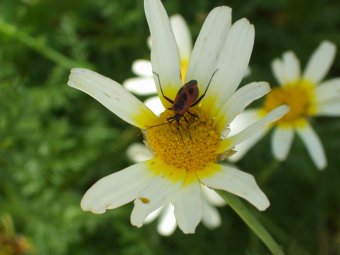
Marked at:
<point>185,98</point>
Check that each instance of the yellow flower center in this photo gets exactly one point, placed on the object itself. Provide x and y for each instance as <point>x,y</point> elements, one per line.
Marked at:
<point>299,96</point>
<point>190,145</point>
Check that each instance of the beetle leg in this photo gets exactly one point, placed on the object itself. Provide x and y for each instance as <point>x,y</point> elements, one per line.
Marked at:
<point>195,116</point>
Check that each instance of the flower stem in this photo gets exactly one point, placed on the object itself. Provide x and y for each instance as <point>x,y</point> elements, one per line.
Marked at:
<point>281,234</point>
<point>236,204</point>
<point>268,171</point>
<point>38,45</point>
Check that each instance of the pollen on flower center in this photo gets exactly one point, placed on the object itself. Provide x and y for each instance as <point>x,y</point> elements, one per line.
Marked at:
<point>191,145</point>
<point>299,96</point>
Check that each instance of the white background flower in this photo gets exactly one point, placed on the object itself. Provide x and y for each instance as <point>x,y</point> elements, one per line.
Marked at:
<point>322,97</point>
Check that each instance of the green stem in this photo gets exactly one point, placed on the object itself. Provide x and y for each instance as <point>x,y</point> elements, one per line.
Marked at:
<point>38,45</point>
<point>236,204</point>
<point>268,171</point>
<point>281,234</point>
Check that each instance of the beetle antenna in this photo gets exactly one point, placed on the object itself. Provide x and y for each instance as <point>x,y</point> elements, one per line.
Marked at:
<point>166,123</point>
<point>160,85</point>
<point>201,97</point>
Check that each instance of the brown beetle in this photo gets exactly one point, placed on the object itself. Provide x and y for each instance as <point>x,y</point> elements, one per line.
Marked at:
<point>187,97</point>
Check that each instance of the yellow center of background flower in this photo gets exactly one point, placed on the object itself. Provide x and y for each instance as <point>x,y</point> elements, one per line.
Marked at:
<point>189,146</point>
<point>184,68</point>
<point>299,96</point>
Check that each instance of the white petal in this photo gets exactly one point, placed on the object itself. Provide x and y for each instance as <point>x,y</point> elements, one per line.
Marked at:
<point>242,148</point>
<point>211,217</point>
<point>328,90</point>
<point>138,152</point>
<point>152,216</point>
<point>237,182</point>
<point>291,66</point>
<point>112,95</point>
<point>208,45</point>
<point>314,146</point>
<point>212,197</point>
<point>232,62</point>
<point>239,101</point>
<point>248,132</point>
<point>320,62</point>
<point>142,68</point>
<point>155,105</point>
<point>167,223</point>
<point>189,208</point>
<point>282,140</point>
<point>156,194</point>
<point>140,86</point>
<point>331,108</point>
<point>279,71</point>
<point>116,189</point>
<point>242,121</point>
<point>164,53</point>
<point>182,36</point>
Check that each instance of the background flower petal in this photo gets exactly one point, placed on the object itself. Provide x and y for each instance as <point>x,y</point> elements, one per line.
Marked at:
<point>155,105</point>
<point>212,197</point>
<point>142,68</point>
<point>320,62</point>
<point>152,216</point>
<point>167,222</point>
<point>282,140</point>
<point>211,217</point>
<point>140,85</point>
<point>313,145</point>
<point>291,66</point>
<point>279,71</point>
<point>328,90</point>
<point>330,108</point>
<point>182,36</point>
<point>138,152</point>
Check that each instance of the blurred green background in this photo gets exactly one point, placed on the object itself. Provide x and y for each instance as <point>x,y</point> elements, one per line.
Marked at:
<point>55,142</point>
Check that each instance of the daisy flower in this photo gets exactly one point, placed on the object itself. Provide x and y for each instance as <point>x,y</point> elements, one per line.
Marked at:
<point>185,154</point>
<point>145,85</point>
<point>307,95</point>
<point>167,222</point>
